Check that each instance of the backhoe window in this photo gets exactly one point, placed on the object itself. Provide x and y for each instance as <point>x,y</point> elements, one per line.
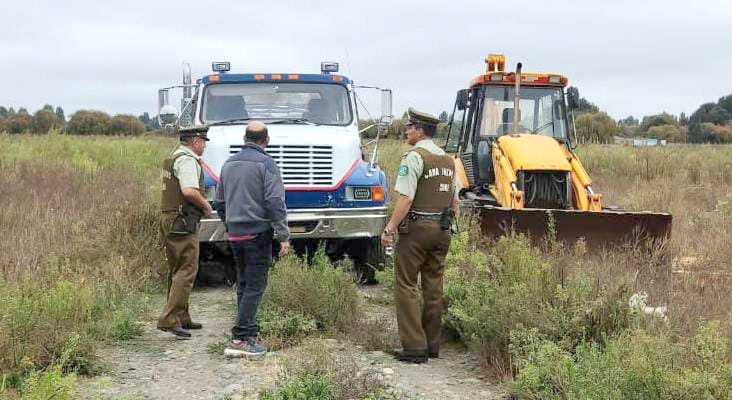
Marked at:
<point>324,104</point>
<point>541,111</point>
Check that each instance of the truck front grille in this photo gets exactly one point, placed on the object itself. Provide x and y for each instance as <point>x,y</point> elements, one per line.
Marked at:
<point>301,165</point>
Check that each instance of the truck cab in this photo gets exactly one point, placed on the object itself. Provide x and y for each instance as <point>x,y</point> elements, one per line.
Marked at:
<point>336,195</point>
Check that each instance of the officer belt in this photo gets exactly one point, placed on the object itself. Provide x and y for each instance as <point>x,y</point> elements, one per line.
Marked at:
<point>428,216</point>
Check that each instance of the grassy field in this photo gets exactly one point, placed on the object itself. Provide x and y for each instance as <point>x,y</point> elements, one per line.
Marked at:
<point>80,254</point>
<point>79,249</point>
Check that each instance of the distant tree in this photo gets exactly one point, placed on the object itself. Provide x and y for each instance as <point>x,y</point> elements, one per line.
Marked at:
<point>657,120</point>
<point>369,133</point>
<point>683,119</point>
<point>595,127</point>
<point>145,119</point>
<point>443,116</point>
<point>726,103</point>
<point>60,116</point>
<point>88,122</point>
<point>397,128</point>
<point>47,107</point>
<point>18,122</point>
<point>586,106</point>
<point>630,121</point>
<point>125,125</point>
<point>714,133</point>
<point>699,129</point>
<point>44,120</point>
<point>11,111</point>
<point>154,124</point>
<point>671,133</point>
<point>710,112</point>
<point>3,112</point>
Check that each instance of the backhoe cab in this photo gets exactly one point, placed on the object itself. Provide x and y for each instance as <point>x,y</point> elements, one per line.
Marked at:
<point>511,133</point>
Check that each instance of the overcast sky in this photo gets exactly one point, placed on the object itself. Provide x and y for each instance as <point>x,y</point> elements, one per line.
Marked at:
<point>635,58</point>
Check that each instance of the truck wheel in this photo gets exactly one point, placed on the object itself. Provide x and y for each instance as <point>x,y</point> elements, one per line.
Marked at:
<point>368,257</point>
<point>215,265</point>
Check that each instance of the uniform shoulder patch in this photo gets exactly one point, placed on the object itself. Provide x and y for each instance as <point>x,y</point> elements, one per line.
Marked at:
<point>403,170</point>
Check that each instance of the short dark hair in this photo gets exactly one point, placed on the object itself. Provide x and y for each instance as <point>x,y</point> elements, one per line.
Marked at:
<point>429,129</point>
<point>255,135</point>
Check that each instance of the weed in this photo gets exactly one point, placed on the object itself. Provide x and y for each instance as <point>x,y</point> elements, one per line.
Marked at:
<point>321,292</point>
<point>323,374</point>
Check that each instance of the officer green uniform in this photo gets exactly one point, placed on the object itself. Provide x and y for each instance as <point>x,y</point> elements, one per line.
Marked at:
<point>426,175</point>
<point>179,225</point>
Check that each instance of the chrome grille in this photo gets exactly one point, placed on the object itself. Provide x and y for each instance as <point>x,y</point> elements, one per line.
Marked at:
<point>301,165</point>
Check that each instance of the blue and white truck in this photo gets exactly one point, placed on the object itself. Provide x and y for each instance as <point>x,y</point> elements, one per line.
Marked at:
<point>336,194</point>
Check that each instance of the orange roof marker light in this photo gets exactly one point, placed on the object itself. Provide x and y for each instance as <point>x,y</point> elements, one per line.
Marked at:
<point>259,76</point>
<point>214,78</point>
<point>495,74</point>
<point>276,76</point>
<point>496,63</point>
<point>293,77</point>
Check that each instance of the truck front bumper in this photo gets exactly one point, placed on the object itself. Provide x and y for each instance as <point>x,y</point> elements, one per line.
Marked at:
<point>315,223</point>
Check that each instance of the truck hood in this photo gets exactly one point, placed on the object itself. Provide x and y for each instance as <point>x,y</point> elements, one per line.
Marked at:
<point>529,152</point>
<point>344,142</point>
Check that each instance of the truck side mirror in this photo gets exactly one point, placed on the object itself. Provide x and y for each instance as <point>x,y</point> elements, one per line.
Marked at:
<point>386,111</point>
<point>462,99</point>
<point>168,115</point>
<point>163,98</point>
<point>573,97</point>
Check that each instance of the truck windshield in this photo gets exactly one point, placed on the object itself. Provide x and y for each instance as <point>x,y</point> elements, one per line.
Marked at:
<point>541,111</point>
<point>323,104</point>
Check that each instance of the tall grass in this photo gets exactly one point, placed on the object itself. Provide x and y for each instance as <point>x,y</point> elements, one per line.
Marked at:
<point>694,183</point>
<point>80,242</point>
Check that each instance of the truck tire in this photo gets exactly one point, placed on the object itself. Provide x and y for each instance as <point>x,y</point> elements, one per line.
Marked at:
<point>215,265</point>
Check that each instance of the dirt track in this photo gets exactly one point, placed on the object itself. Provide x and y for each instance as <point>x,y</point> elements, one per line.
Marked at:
<point>157,366</point>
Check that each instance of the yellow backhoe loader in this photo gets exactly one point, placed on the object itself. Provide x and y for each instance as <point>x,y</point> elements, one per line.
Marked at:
<point>514,159</point>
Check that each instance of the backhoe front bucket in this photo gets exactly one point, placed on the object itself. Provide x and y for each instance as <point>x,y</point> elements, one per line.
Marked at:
<point>605,228</point>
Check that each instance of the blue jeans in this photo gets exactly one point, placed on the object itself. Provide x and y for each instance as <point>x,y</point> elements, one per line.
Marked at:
<point>253,259</point>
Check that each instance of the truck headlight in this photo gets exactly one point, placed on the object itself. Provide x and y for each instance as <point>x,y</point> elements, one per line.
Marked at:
<point>365,193</point>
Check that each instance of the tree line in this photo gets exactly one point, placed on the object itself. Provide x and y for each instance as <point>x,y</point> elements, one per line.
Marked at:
<point>82,122</point>
<point>710,123</point>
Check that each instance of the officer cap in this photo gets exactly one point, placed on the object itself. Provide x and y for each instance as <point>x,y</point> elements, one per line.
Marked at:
<point>195,132</point>
<point>422,118</point>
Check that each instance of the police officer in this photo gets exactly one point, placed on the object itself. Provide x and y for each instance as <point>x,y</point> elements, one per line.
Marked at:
<point>183,205</point>
<point>422,217</point>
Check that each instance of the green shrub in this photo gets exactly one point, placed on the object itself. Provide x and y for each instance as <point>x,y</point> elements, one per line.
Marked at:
<point>52,383</point>
<point>324,374</point>
<point>315,387</point>
<point>288,327</point>
<point>321,292</point>
<point>633,365</point>
<point>518,288</point>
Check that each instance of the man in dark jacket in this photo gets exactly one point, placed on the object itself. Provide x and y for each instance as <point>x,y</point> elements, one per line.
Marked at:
<point>250,198</point>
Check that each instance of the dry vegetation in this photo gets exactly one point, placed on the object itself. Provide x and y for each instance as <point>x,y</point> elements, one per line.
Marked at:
<point>694,183</point>
<point>79,247</point>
